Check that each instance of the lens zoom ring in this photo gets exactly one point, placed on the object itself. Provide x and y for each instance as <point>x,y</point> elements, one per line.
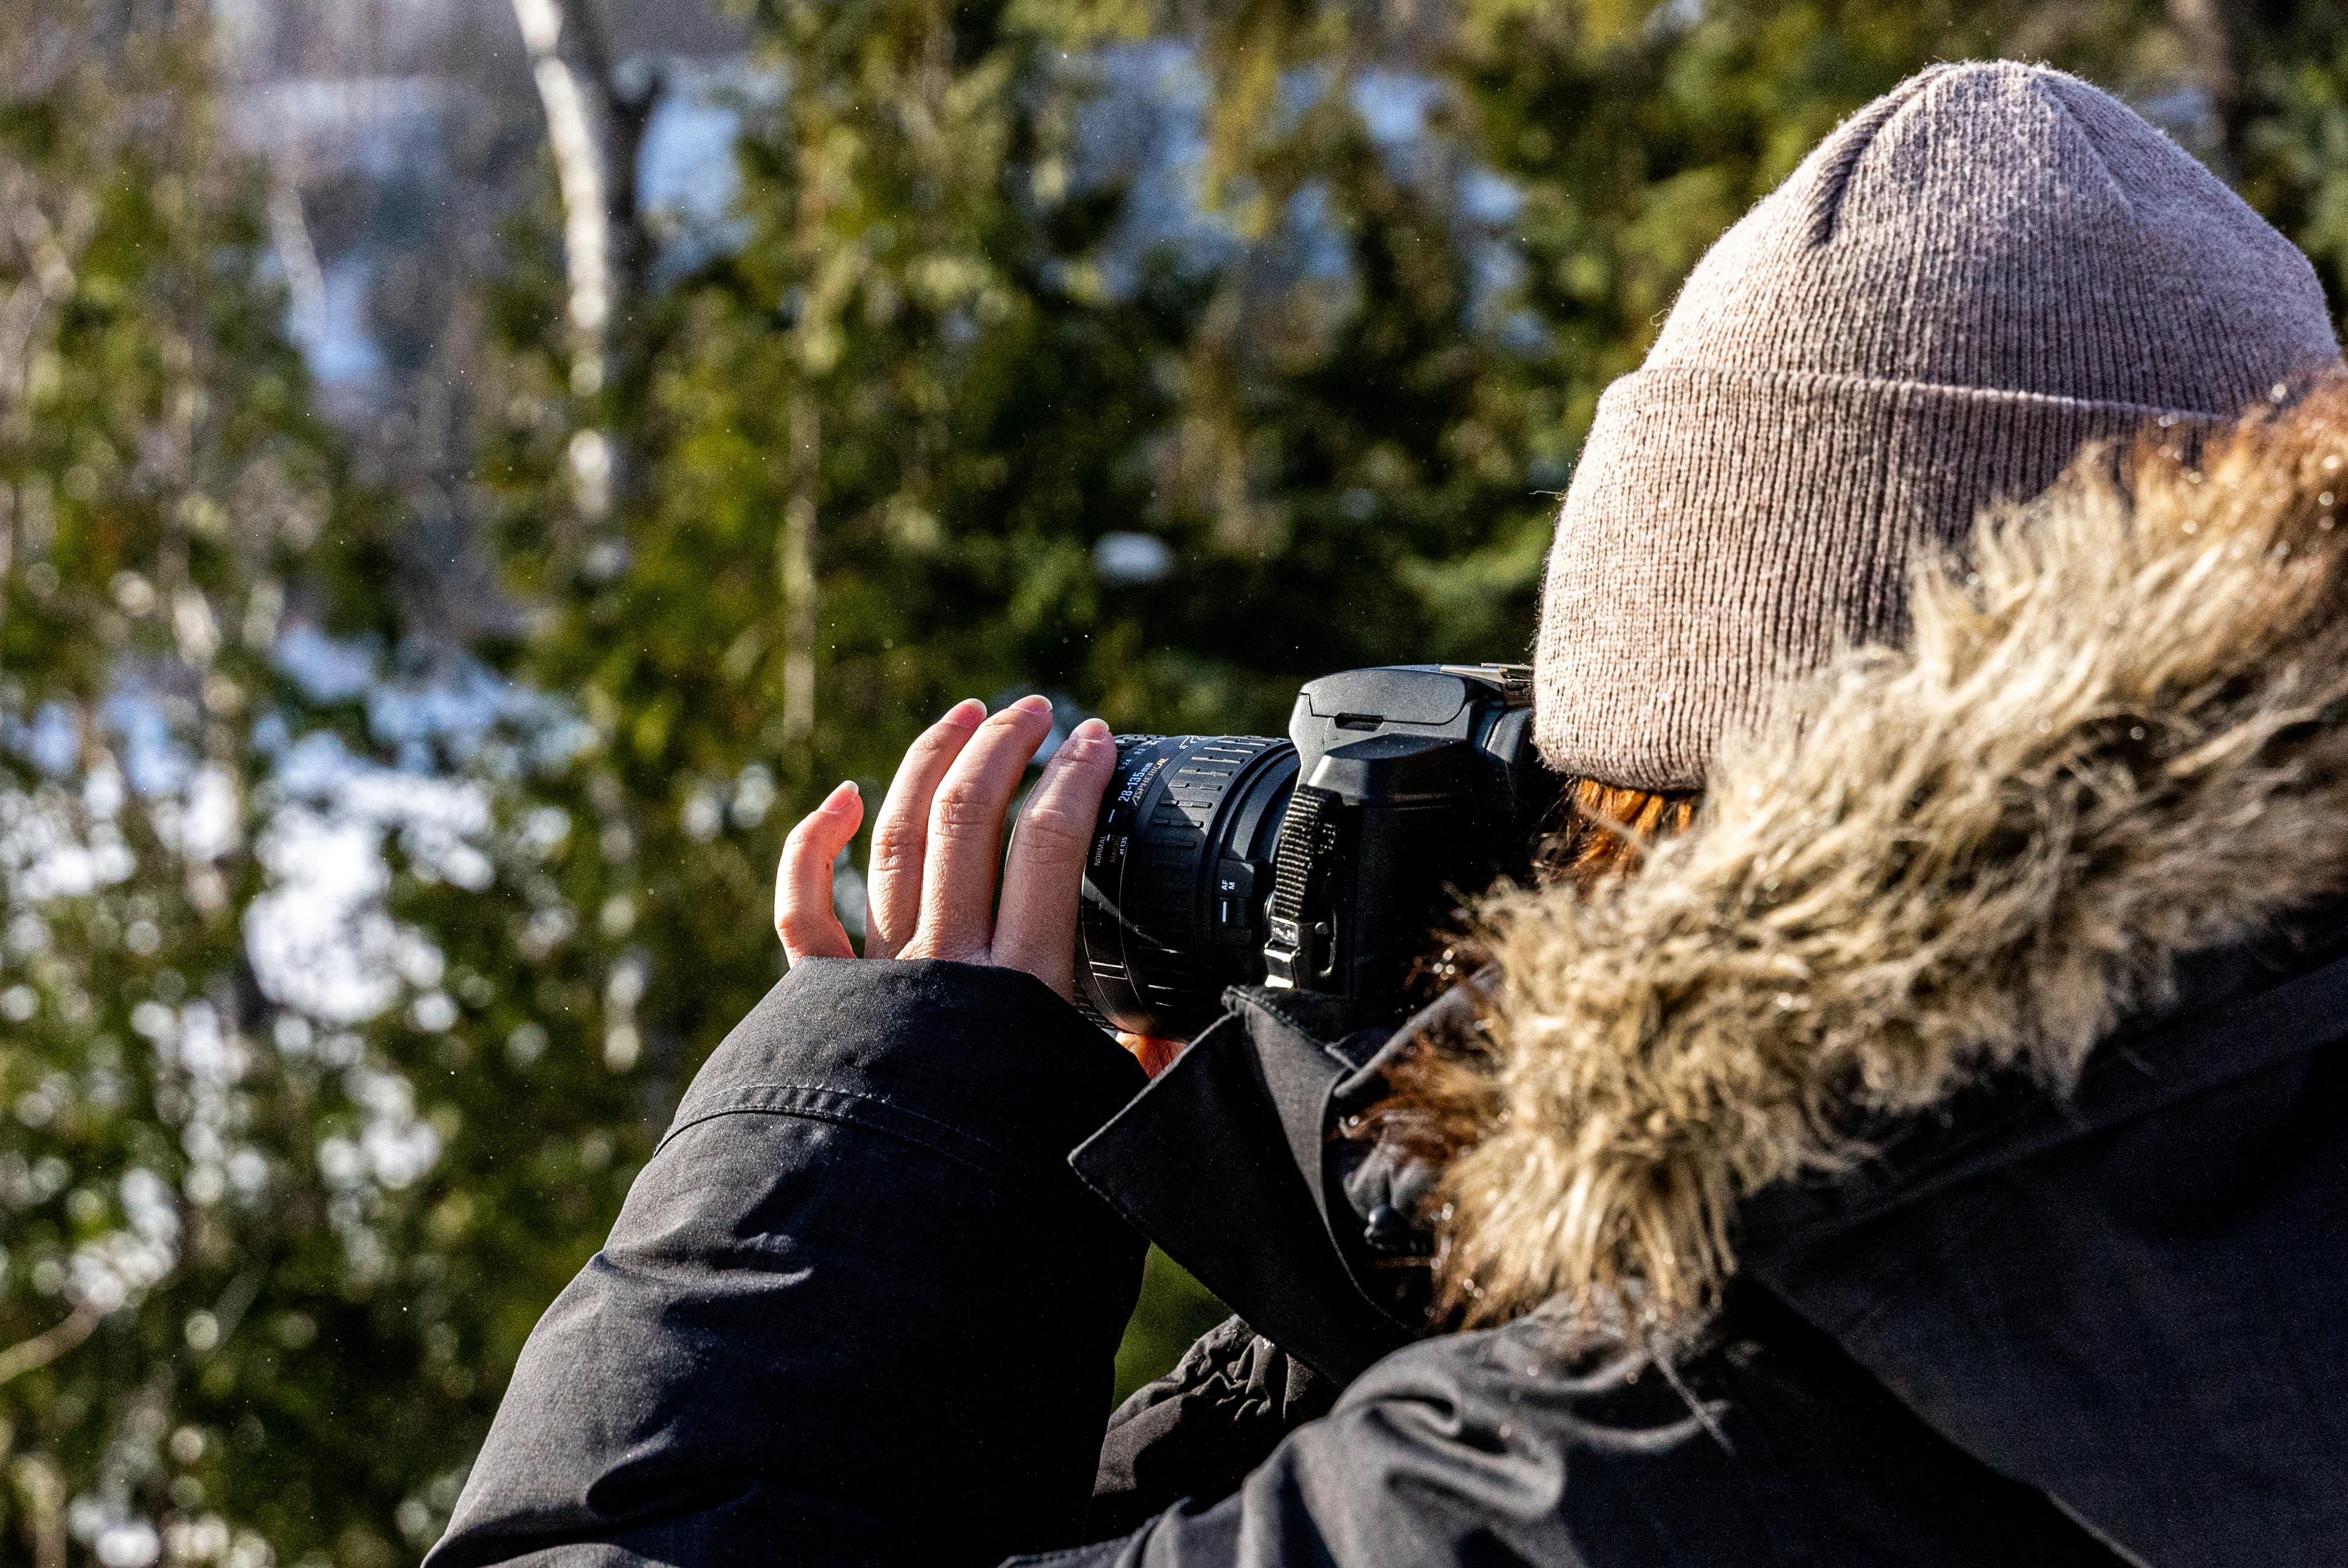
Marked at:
<point>1146,939</point>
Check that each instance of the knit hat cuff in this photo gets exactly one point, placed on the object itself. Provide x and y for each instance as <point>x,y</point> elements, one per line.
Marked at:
<point>1726,531</point>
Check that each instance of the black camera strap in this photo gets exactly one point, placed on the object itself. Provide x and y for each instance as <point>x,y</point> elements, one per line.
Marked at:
<point>1296,954</point>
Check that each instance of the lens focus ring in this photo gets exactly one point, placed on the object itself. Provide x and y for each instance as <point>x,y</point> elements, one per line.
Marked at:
<point>1179,808</point>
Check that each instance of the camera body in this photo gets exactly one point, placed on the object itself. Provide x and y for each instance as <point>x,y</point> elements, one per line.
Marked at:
<point>1325,862</point>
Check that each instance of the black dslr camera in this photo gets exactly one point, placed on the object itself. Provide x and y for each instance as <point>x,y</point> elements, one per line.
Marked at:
<point>1322,862</point>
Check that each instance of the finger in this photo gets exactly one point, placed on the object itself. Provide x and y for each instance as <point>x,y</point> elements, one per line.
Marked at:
<point>900,832</point>
<point>1036,929</point>
<point>804,916</point>
<point>966,830</point>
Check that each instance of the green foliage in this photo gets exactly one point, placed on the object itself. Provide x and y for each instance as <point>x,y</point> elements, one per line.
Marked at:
<point>178,1262</point>
<point>1175,1310</point>
<point>2288,146</point>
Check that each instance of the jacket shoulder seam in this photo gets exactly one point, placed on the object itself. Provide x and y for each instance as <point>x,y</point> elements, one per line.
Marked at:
<point>847,1107</point>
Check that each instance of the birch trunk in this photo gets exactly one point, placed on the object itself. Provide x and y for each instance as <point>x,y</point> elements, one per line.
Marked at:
<point>580,177</point>
<point>798,570</point>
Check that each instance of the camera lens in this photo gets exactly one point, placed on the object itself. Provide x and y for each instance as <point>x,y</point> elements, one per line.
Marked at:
<point>1177,876</point>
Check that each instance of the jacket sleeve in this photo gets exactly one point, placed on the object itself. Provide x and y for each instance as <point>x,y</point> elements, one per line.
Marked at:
<point>1196,1432</point>
<point>856,1309</point>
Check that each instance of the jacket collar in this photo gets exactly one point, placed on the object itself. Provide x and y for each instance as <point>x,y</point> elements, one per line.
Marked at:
<point>2114,739</point>
<point>1221,1162</point>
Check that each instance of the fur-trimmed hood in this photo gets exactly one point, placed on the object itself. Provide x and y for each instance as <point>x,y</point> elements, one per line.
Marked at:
<point>2113,739</point>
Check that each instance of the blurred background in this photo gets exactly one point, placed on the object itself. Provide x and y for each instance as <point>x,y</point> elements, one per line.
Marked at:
<point>473,471</point>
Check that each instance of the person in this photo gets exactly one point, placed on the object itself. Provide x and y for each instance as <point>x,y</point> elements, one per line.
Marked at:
<point>1925,1144</point>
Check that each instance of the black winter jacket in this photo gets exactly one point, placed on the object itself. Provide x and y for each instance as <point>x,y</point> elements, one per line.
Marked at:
<point>859,1309</point>
<point>1985,988</point>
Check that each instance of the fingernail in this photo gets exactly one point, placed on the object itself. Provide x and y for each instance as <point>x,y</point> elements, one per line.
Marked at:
<point>966,713</point>
<point>846,790</point>
<point>1036,702</point>
<point>1086,733</point>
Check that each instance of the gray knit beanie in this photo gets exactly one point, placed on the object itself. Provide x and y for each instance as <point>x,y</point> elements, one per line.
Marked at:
<point>1972,277</point>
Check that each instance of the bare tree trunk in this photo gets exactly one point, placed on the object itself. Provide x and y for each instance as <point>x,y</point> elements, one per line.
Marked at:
<point>627,108</point>
<point>798,568</point>
<point>571,132</point>
<point>7,551</point>
<point>595,126</point>
<point>43,1489</point>
<point>289,235</point>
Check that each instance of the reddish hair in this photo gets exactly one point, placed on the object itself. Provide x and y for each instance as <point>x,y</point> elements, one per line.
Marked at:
<point>1610,827</point>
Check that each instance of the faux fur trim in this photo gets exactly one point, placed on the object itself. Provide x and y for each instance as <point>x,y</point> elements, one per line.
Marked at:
<point>2113,738</point>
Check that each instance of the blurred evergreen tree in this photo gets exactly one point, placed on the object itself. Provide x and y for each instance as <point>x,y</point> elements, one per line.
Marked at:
<point>213,1240</point>
<point>944,423</point>
<point>874,450</point>
<point>2277,76</point>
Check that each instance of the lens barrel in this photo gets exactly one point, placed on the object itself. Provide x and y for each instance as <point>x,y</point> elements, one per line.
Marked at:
<point>1175,879</point>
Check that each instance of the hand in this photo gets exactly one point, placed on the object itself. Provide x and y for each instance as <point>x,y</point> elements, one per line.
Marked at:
<point>938,841</point>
